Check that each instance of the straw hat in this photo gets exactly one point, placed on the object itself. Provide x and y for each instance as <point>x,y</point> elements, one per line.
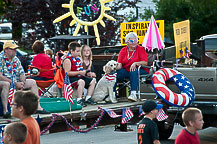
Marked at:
<point>10,44</point>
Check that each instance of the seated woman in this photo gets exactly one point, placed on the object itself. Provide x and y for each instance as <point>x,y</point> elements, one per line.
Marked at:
<point>41,61</point>
<point>86,57</point>
<point>129,58</point>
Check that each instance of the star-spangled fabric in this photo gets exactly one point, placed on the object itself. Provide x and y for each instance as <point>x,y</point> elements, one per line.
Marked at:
<point>127,114</point>
<point>68,91</point>
<point>111,113</point>
<point>182,99</point>
<point>11,92</point>
<point>161,115</point>
<point>184,85</point>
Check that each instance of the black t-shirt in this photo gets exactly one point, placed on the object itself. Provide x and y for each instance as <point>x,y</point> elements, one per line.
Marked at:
<point>147,131</point>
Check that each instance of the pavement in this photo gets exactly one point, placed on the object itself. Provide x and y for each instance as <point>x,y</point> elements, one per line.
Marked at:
<point>107,135</point>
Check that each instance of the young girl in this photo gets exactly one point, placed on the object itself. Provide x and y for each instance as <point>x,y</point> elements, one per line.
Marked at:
<point>86,56</point>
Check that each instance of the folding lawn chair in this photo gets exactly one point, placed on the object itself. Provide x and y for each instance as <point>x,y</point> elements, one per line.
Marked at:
<point>44,85</point>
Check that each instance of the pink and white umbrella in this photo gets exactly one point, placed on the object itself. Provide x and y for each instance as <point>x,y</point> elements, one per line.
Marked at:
<point>153,38</point>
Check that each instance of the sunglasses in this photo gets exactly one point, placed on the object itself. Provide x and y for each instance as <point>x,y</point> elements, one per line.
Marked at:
<point>132,41</point>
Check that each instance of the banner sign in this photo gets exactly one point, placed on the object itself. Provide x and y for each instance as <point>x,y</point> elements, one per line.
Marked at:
<point>182,38</point>
<point>140,29</point>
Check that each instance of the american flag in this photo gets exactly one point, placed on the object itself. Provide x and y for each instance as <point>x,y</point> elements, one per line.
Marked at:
<point>11,92</point>
<point>68,89</point>
<point>111,113</point>
<point>161,115</point>
<point>127,114</point>
<point>141,112</point>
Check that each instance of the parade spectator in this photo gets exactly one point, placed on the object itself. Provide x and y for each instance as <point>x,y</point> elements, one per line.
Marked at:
<point>193,120</point>
<point>147,129</point>
<point>49,52</point>
<point>86,57</point>
<point>15,133</point>
<point>73,66</point>
<point>129,58</point>
<point>23,106</point>
<point>42,61</point>
<point>11,69</point>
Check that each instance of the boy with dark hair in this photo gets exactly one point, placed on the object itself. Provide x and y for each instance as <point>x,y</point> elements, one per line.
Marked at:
<point>24,105</point>
<point>193,120</point>
<point>15,133</point>
<point>147,129</point>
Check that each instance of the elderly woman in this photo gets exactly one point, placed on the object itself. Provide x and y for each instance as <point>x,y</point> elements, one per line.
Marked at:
<point>42,61</point>
<point>129,58</point>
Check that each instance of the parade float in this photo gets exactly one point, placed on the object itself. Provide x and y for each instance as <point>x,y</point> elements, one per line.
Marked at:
<point>199,90</point>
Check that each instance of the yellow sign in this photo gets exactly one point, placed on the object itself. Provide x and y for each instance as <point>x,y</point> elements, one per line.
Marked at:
<point>182,38</point>
<point>140,29</point>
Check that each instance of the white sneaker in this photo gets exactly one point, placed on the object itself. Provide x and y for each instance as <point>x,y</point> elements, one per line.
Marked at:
<point>132,97</point>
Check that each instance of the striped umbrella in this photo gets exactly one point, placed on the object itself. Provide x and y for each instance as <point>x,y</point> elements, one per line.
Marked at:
<point>153,38</point>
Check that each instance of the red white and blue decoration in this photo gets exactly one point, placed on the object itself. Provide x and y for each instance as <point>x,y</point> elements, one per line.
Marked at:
<point>111,113</point>
<point>141,112</point>
<point>127,114</point>
<point>68,91</point>
<point>161,115</point>
<point>187,95</point>
<point>11,92</point>
<point>110,77</point>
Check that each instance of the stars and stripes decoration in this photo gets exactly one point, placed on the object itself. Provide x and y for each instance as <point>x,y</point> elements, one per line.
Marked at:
<point>110,77</point>
<point>183,99</point>
<point>68,91</point>
<point>127,114</point>
<point>161,115</point>
<point>111,113</point>
<point>141,112</point>
<point>11,92</point>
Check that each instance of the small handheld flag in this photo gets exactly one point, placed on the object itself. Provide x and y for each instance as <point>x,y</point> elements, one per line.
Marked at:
<point>141,111</point>
<point>111,113</point>
<point>161,115</point>
<point>127,114</point>
<point>11,92</point>
<point>68,91</point>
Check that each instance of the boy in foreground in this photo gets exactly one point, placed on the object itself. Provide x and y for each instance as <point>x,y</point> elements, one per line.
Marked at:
<point>147,129</point>
<point>23,106</point>
<point>15,133</point>
<point>193,120</point>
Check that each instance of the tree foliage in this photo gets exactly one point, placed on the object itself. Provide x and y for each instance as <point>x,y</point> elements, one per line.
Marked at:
<point>202,15</point>
<point>33,19</point>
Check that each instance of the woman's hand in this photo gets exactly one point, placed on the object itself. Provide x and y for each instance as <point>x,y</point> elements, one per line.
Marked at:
<point>133,66</point>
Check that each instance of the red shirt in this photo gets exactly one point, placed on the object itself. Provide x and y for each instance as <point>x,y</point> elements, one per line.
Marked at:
<point>76,64</point>
<point>43,61</point>
<point>127,58</point>
<point>184,137</point>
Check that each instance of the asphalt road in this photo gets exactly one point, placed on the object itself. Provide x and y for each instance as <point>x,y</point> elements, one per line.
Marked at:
<point>107,135</point>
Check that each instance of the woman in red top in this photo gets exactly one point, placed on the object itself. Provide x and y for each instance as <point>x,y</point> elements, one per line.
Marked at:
<point>43,61</point>
<point>129,58</point>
